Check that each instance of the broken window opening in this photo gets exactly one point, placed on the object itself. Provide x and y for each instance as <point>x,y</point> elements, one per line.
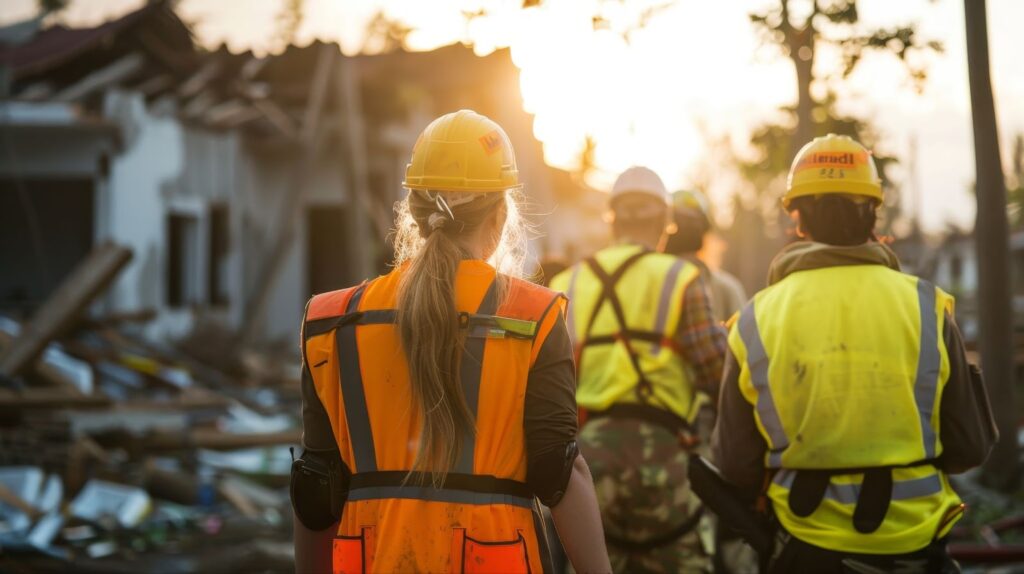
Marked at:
<point>182,260</point>
<point>219,246</point>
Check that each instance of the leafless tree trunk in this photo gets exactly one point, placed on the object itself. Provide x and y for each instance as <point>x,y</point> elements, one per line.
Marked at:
<point>992,244</point>
<point>800,42</point>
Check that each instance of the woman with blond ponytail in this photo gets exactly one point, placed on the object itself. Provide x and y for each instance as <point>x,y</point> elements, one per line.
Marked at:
<point>439,399</point>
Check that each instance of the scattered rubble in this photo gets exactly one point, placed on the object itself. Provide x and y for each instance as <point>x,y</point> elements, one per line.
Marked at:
<point>122,455</point>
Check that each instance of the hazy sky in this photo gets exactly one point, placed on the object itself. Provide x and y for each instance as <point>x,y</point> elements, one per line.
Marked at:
<point>696,69</point>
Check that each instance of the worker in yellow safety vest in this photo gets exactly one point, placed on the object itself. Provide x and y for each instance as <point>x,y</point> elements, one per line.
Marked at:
<point>438,402</point>
<point>846,389</point>
<point>649,358</point>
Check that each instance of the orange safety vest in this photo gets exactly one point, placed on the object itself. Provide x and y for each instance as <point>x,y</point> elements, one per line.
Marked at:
<point>484,518</point>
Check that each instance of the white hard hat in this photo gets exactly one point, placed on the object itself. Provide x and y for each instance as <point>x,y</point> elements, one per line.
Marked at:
<point>639,179</point>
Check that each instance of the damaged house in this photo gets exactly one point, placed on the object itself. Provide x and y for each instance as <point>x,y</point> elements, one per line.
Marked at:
<point>241,184</point>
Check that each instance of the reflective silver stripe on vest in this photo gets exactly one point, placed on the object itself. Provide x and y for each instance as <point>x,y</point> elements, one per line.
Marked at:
<point>928,361</point>
<point>357,416</point>
<point>666,299</point>
<point>757,362</point>
<point>437,495</point>
<point>470,372</point>
<point>917,487</point>
<point>848,493</point>
<point>570,319</point>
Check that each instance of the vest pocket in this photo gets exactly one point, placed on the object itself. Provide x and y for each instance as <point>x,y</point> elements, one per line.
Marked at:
<point>484,557</point>
<point>353,554</point>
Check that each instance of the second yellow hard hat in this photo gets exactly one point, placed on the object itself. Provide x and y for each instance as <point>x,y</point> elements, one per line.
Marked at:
<point>833,164</point>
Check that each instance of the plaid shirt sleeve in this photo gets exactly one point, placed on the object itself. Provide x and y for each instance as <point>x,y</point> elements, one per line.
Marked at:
<point>701,339</point>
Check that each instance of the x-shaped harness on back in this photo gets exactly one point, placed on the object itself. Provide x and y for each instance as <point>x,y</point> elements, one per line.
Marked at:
<point>644,411</point>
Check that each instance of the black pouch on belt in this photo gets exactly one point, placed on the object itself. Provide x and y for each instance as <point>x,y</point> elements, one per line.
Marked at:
<point>807,491</point>
<point>873,502</point>
<point>319,488</point>
<point>809,487</point>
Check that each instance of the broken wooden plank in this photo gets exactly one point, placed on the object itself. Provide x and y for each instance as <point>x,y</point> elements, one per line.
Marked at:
<point>199,105</point>
<point>351,124</point>
<point>35,92</point>
<point>278,117</point>
<point>318,93</point>
<point>119,71</point>
<point>197,81</point>
<point>239,500</point>
<point>9,497</point>
<point>216,440</point>
<point>312,133</point>
<point>253,67</point>
<point>155,84</point>
<point>49,398</point>
<point>63,308</point>
<point>116,318</point>
<point>231,113</point>
<point>57,367</point>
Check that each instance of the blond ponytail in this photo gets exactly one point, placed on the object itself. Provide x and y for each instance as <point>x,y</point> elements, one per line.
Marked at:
<point>431,240</point>
<point>429,327</point>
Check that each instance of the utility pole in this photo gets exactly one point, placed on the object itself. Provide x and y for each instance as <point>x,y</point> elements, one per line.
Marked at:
<point>991,233</point>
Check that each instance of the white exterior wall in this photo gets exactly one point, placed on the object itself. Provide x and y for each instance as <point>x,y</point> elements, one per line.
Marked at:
<point>166,167</point>
<point>153,155</point>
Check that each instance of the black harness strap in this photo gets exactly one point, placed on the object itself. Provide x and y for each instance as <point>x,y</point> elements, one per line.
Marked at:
<point>669,537</point>
<point>478,325</point>
<point>634,335</point>
<point>452,481</point>
<point>864,469</point>
<point>644,388</point>
<point>647,413</point>
<point>371,317</point>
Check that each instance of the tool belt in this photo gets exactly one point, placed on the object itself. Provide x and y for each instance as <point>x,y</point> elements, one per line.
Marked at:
<point>670,421</point>
<point>932,559</point>
<point>809,486</point>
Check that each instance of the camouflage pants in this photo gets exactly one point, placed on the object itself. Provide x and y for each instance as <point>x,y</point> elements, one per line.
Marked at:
<point>640,476</point>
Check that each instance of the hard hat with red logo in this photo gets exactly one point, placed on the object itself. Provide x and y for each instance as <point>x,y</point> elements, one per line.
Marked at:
<point>462,152</point>
<point>833,164</point>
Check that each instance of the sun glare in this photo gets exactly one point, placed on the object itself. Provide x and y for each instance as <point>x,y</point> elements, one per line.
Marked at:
<point>584,81</point>
<point>638,93</point>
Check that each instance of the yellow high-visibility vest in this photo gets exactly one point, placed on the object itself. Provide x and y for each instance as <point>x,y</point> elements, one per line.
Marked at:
<point>845,368</point>
<point>651,295</point>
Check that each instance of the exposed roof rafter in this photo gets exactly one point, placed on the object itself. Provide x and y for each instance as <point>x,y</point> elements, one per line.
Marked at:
<point>117,72</point>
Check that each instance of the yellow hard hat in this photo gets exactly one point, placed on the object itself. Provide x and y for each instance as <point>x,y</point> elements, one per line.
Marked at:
<point>833,164</point>
<point>692,201</point>
<point>462,151</point>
